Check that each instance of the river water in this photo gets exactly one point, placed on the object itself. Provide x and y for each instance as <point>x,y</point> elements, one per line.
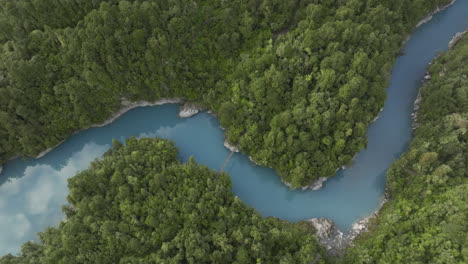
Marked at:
<point>32,191</point>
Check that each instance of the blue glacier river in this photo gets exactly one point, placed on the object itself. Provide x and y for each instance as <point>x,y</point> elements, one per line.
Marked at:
<point>32,191</point>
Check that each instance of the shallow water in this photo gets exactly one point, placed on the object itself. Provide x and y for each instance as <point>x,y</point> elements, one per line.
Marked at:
<point>32,191</point>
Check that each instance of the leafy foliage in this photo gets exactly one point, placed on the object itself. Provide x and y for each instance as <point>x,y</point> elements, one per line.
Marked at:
<point>295,82</point>
<point>139,204</point>
<point>426,219</point>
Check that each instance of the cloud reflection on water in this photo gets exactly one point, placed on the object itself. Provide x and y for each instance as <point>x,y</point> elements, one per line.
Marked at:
<point>33,201</point>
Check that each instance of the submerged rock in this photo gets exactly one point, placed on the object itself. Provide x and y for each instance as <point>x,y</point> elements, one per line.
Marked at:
<point>188,110</point>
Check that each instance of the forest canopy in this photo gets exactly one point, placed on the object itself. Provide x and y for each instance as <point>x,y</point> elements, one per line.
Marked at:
<point>295,83</point>
<point>140,204</point>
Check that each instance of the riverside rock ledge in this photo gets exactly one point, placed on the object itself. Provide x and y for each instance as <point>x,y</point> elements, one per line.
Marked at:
<point>316,185</point>
<point>188,110</point>
<point>335,241</point>
<point>230,147</point>
<point>329,236</point>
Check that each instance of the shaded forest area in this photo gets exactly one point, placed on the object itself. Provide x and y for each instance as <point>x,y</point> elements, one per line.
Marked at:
<point>426,218</point>
<point>295,83</point>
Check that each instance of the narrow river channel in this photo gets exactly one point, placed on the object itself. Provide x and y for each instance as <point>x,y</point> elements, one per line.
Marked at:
<point>32,191</point>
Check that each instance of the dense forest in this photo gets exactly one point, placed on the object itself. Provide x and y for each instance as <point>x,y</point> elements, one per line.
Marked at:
<point>426,219</point>
<point>139,204</point>
<point>295,83</point>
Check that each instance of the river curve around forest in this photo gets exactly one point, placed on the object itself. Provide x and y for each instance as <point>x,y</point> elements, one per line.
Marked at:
<point>32,191</point>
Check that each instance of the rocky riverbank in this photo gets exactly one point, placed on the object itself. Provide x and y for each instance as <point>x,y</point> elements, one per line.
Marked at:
<point>437,10</point>
<point>428,77</point>
<point>333,239</point>
<point>377,117</point>
<point>316,185</point>
<point>252,160</point>
<point>189,109</point>
<point>230,147</point>
<point>186,110</point>
<point>329,236</point>
<point>126,106</point>
<point>414,115</point>
<point>429,17</point>
<point>456,38</point>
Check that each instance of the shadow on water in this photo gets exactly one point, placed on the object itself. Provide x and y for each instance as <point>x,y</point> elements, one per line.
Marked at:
<point>32,191</point>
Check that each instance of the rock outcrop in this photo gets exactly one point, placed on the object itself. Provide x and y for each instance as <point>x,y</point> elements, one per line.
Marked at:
<point>378,115</point>
<point>316,185</point>
<point>359,227</point>
<point>286,183</point>
<point>437,10</point>
<point>252,160</point>
<point>188,110</point>
<point>414,115</point>
<point>335,241</point>
<point>329,236</point>
<point>230,147</point>
<point>456,38</point>
<point>417,102</point>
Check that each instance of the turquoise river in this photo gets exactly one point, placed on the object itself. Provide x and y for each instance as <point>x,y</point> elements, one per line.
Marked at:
<point>32,191</point>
